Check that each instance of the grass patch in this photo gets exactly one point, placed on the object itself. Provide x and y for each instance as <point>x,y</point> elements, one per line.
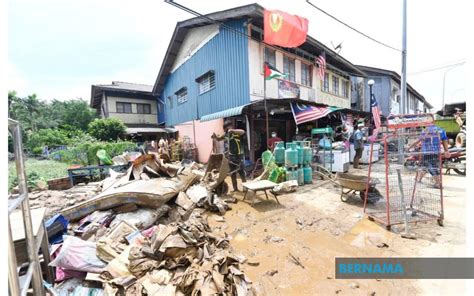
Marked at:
<point>40,169</point>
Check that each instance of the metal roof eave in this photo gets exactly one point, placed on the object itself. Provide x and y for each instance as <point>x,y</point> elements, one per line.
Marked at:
<point>225,113</point>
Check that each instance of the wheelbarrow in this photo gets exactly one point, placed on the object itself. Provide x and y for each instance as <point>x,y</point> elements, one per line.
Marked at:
<point>216,172</point>
<point>351,184</point>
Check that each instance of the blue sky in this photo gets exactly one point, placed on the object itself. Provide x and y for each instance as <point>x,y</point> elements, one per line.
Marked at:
<point>57,49</point>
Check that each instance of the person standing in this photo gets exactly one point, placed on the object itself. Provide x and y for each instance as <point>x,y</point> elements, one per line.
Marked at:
<point>236,152</point>
<point>273,140</point>
<point>358,144</point>
<point>346,135</point>
<point>430,148</point>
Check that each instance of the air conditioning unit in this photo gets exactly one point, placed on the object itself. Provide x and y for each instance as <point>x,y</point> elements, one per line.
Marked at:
<point>312,95</point>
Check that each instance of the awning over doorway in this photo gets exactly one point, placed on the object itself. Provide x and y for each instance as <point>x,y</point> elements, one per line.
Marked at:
<point>225,113</point>
<point>140,130</point>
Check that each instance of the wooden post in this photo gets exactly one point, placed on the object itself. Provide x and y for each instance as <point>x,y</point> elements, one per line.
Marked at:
<point>251,137</point>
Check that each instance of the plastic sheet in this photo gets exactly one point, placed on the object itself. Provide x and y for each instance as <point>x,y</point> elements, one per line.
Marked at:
<point>141,218</point>
<point>78,254</point>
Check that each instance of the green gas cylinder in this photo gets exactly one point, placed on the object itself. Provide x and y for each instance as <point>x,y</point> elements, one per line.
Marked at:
<point>307,152</point>
<point>291,155</point>
<point>308,174</point>
<point>291,174</point>
<point>279,153</point>
<point>300,149</point>
<point>300,175</point>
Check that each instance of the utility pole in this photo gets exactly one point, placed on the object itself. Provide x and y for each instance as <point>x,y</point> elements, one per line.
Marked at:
<point>403,103</point>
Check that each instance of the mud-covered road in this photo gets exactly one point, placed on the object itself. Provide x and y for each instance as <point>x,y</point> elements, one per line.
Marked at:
<point>290,247</point>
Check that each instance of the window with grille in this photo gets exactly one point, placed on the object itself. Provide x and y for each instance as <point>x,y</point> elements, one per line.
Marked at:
<point>335,85</point>
<point>305,74</point>
<point>289,68</point>
<point>270,56</point>
<point>143,108</point>
<point>123,107</point>
<point>345,89</point>
<point>182,95</point>
<point>325,82</point>
<point>206,82</point>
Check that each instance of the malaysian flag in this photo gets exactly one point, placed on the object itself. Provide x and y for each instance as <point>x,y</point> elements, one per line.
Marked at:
<point>304,113</point>
<point>321,61</point>
<point>375,112</point>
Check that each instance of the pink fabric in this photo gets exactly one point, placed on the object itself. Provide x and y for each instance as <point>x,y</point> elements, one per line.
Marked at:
<point>347,145</point>
<point>64,274</point>
<point>373,138</point>
<point>61,273</point>
<point>149,232</point>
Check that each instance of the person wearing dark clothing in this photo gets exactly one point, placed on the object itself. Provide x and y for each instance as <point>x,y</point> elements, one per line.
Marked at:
<point>358,145</point>
<point>236,152</point>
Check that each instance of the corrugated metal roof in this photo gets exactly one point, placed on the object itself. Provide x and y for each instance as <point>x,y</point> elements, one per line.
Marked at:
<point>118,86</point>
<point>138,130</point>
<point>121,85</point>
<point>226,113</point>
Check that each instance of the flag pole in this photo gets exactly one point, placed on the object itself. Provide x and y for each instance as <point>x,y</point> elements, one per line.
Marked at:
<point>266,108</point>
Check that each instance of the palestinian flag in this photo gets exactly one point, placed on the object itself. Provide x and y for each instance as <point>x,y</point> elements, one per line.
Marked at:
<point>270,72</point>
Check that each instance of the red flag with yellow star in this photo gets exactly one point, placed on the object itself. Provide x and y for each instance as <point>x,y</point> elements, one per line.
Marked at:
<point>283,29</point>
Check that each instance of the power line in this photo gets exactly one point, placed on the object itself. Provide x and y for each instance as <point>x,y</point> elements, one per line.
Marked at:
<point>352,28</point>
<point>438,68</point>
<point>222,24</point>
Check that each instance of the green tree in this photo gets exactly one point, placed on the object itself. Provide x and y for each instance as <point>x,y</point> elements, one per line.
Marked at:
<point>72,113</point>
<point>106,129</point>
<point>32,113</point>
<point>47,137</point>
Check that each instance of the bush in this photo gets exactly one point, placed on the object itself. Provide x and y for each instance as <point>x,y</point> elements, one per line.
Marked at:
<point>32,178</point>
<point>85,153</point>
<point>106,129</point>
<point>47,137</point>
<point>37,151</point>
<point>72,131</point>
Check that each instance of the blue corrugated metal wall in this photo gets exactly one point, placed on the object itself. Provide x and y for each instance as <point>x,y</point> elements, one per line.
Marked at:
<point>227,55</point>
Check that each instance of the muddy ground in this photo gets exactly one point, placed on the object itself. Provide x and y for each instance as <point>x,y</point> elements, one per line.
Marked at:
<point>314,226</point>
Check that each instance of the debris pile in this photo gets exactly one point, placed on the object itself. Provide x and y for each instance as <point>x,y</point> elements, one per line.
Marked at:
<point>146,234</point>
